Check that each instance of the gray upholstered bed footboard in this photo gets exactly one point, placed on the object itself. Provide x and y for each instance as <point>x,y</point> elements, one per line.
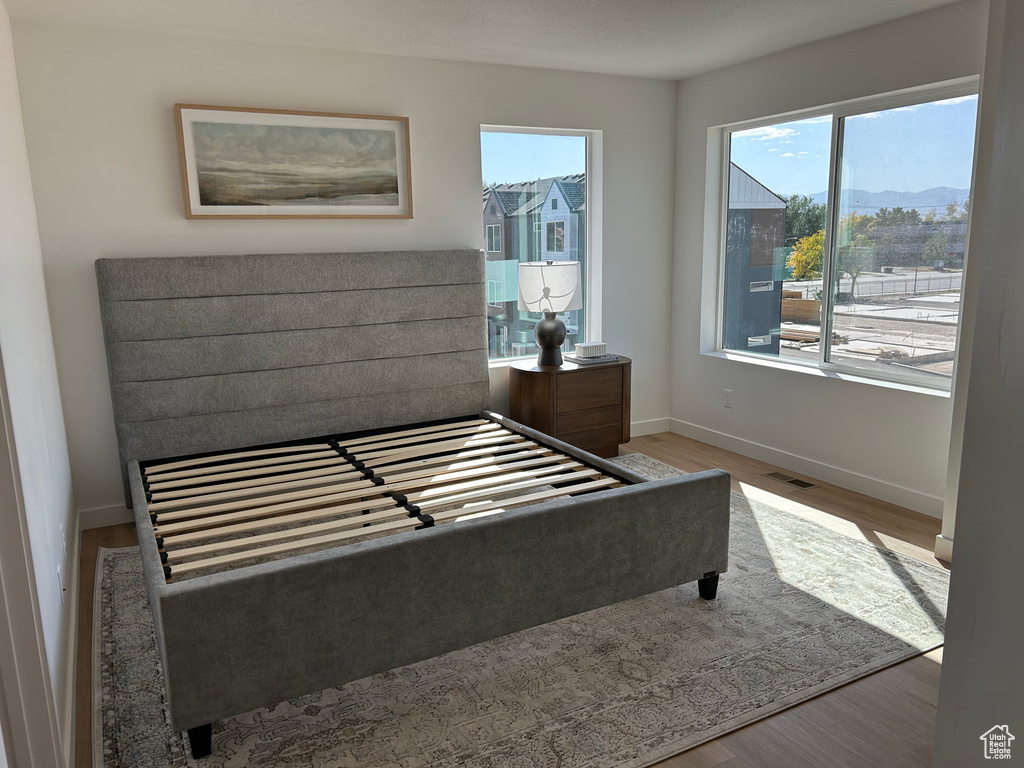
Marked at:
<point>251,637</point>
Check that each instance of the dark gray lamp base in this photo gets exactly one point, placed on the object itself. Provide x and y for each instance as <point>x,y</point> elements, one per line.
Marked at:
<point>550,333</point>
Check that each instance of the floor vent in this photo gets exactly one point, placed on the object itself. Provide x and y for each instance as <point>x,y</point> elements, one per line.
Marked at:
<point>795,482</point>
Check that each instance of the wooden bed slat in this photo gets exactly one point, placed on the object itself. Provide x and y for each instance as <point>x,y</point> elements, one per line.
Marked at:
<point>451,492</point>
<point>418,431</point>
<point>501,504</point>
<point>462,456</point>
<point>212,515</point>
<point>298,517</point>
<point>396,525</point>
<point>482,430</point>
<point>272,498</point>
<point>448,485</point>
<point>275,493</point>
<point>155,469</point>
<point>184,497</point>
<point>424,502</point>
<point>355,521</point>
<point>304,465</point>
<point>198,472</point>
<point>504,436</point>
<point>536,459</point>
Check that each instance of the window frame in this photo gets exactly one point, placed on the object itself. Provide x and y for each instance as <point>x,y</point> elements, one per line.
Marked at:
<point>488,237</point>
<point>716,223</point>
<point>550,235</point>
<point>593,308</point>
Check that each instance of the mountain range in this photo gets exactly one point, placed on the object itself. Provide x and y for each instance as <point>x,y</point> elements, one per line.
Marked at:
<point>865,202</point>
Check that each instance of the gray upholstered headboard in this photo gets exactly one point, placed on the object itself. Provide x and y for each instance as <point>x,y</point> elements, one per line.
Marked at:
<point>220,352</point>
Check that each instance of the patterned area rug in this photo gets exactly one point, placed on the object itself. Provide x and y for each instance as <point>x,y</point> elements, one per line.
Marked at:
<point>802,610</point>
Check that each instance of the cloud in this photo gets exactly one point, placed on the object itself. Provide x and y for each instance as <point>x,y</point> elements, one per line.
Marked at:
<point>766,133</point>
<point>774,149</point>
<point>801,153</point>
<point>865,116</point>
<point>813,120</point>
<point>955,100</point>
<point>787,154</point>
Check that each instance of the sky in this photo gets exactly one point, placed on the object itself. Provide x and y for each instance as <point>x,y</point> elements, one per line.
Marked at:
<point>512,157</point>
<point>907,149</point>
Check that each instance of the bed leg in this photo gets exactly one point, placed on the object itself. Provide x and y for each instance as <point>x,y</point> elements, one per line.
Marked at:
<point>708,586</point>
<point>200,739</point>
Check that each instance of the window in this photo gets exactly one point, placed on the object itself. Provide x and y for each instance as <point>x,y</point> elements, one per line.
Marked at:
<point>532,173</point>
<point>494,293</point>
<point>556,236</point>
<point>494,238</point>
<point>844,236</point>
<point>493,210</point>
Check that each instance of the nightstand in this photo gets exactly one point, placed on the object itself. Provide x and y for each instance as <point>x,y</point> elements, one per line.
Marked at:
<point>583,405</point>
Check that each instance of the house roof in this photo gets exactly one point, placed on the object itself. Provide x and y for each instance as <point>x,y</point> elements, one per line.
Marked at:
<point>574,190</point>
<point>746,192</point>
<point>525,197</point>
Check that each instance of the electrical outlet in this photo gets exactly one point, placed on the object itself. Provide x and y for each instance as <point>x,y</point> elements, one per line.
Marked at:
<point>727,398</point>
<point>60,583</point>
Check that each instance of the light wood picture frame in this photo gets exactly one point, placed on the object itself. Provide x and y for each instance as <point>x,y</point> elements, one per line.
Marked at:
<point>245,163</point>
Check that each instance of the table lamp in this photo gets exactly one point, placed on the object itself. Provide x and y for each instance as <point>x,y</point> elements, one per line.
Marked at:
<point>550,287</point>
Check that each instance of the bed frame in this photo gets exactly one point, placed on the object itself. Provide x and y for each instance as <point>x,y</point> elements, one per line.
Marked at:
<point>279,563</point>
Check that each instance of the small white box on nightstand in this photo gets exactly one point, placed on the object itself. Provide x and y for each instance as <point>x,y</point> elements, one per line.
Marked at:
<point>591,349</point>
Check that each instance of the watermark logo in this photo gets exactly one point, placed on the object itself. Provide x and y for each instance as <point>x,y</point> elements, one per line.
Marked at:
<point>997,742</point>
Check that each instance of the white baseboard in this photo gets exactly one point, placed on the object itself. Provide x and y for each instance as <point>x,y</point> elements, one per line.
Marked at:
<point>104,516</point>
<point>869,486</point>
<point>648,427</point>
<point>943,549</point>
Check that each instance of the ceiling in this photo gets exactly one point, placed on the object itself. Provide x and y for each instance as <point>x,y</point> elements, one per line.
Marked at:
<point>648,38</point>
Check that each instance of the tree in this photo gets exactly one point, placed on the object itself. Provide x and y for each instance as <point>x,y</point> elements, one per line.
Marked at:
<point>891,217</point>
<point>956,212</point>
<point>804,217</point>
<point>856,246</point>
<point>806,258</point>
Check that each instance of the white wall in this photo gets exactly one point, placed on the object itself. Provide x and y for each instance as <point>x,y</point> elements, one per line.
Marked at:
<point>101,140</point>
<point>982,673</point>
<point>32,392</point>
<point>888,443</point>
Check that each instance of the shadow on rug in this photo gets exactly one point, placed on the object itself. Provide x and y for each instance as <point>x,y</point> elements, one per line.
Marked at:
<point>802,610</point>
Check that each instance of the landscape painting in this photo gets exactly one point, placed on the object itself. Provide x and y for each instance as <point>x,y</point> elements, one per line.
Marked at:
<point>276,164</point>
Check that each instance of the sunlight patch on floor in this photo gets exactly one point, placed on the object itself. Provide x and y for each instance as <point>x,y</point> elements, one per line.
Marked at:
<point>795,569</point>
<point>832,522</point>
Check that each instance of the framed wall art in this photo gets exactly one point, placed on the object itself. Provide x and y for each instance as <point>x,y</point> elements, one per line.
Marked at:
<point>239,163</point>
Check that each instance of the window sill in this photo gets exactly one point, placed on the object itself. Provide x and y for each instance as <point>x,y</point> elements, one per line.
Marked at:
<point>829,373</point>
<point>505,362</point>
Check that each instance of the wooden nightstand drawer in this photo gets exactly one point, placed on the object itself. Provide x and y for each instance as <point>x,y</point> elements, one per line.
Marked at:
<point>584,390</point>
<point>587,439</point>
<point>592,418</point>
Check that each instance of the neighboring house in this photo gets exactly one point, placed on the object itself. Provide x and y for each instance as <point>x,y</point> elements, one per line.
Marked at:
<point>753,265</point>
<point>529,221</point>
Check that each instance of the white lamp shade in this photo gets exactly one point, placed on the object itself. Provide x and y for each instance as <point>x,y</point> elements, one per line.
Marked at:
<point>550,286</point>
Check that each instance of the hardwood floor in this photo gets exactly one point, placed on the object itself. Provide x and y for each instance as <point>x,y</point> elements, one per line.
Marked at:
<point>112,536</point>
<point>885,720</point>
